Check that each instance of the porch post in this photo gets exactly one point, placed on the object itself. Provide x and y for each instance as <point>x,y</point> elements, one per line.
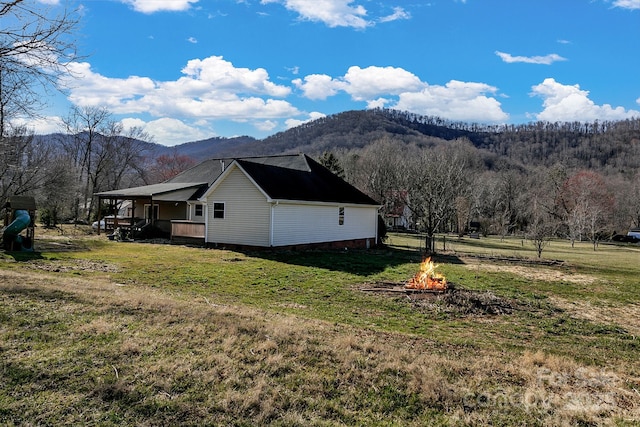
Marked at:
<point>99,212</point>
<point>152,211</point>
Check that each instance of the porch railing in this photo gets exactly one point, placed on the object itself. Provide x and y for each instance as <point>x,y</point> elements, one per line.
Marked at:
<point>183,228</point>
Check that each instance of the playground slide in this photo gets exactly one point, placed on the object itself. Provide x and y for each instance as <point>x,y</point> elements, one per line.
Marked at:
<point>12,232</point>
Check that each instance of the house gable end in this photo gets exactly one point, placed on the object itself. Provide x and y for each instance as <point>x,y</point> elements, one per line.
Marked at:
<point>234,165</point>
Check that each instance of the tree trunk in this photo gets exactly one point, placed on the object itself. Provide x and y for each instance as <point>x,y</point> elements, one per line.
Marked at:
<point>430,244</point>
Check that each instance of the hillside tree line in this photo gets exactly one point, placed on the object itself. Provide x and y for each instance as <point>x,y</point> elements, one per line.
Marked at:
<point>451,188</point>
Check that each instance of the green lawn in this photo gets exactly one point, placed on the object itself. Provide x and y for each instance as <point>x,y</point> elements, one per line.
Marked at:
<point>112,333</point>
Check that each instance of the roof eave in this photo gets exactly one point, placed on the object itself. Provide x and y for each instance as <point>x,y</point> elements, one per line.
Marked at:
<point>323,203</point>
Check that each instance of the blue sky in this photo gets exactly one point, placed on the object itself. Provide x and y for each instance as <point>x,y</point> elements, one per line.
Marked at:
<point>187,70</point>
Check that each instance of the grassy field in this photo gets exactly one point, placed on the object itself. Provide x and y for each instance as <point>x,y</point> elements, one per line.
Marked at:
<point>95,332</point>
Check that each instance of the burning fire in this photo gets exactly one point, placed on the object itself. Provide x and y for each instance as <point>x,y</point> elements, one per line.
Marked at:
<point>427,278</point>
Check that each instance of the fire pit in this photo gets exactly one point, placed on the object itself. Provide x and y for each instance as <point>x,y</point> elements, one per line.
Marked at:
<point>427,279</point>
<point>430,292</point>
<point>426,282</point>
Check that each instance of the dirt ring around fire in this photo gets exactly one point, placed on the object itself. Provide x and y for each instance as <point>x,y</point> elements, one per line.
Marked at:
<point>455,301</point>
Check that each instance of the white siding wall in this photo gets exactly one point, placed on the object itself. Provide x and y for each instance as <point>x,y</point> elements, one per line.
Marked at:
<point>247,213</point>
<point>295,224</point>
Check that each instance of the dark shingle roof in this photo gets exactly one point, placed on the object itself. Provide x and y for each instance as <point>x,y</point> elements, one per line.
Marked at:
<point>207,171</point>
<point>300,177</point>
<point>174,192</point>
<point>287,177</point>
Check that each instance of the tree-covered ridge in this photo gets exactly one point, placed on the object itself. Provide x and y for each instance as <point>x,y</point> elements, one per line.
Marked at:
<point>607,145</point>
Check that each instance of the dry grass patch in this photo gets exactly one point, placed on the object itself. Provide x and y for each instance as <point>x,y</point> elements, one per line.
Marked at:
<point>627,316</point>
<point>72,265</point>
<point>533,273</point>
<point>88,351</point>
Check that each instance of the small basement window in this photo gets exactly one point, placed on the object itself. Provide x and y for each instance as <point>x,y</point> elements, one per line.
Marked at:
<point>198,210</point>
<point>218,210</point>
<point>340,216</point>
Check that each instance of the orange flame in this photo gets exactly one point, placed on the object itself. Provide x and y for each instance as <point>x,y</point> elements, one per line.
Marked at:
<point>427,278</point>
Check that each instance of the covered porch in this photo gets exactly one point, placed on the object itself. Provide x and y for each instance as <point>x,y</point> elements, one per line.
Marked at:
<point>152,211</point>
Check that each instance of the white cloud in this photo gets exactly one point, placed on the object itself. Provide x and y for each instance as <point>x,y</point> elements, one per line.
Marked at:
<point>546,60</point>
<point>465,101</point>
<point>192,40</point>
<point>333,13</point>
<point>293,70</point>
<point>362,84</point>
<point>291,123</point>
<point>88,89</point>
<point>384,86</point>
<point>317,86</point>
<point>570,103</point>
<point>338,13</point>
<point>151,6</point>
<point>211,88</point>
<point>168,131</point>
<point>627,4</point>
<point>377,103</point>
<point>266,126</point>
<point>222,75</point>
<point>42,125</point>
<point>398,13</point>
<point>365,83</point>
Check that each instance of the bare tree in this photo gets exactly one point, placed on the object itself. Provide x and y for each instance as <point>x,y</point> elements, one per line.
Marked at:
<point>463,213</point>
<point>102,152</point>
<point>542,226</point>
<point>35,50</point>
<point>119,157</point>
<point>36,47</point>
<point>83,126</point>
<point>378,170</point>
<point>628,193</point>
<point>166,166</point>
<point>56,194</point>
<point>435,179</point>
<point>23,163</point>
<point>588,204</point>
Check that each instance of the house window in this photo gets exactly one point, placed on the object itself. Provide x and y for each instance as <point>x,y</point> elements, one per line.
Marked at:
<point>340,216</point>
<point>218,210</point>
<point>198,210</point>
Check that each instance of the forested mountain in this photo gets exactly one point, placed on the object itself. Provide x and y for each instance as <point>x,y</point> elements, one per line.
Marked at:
<point>213,147</point>
<point>346,131</point>
<point>604,146</point>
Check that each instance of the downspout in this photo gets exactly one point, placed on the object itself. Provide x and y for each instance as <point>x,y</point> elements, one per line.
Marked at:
<point>273,214</point>
<point>377,215</point>
<point>206,222</point>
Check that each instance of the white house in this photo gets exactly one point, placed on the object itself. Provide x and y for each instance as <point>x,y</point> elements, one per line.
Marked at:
<point>272,201</point>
